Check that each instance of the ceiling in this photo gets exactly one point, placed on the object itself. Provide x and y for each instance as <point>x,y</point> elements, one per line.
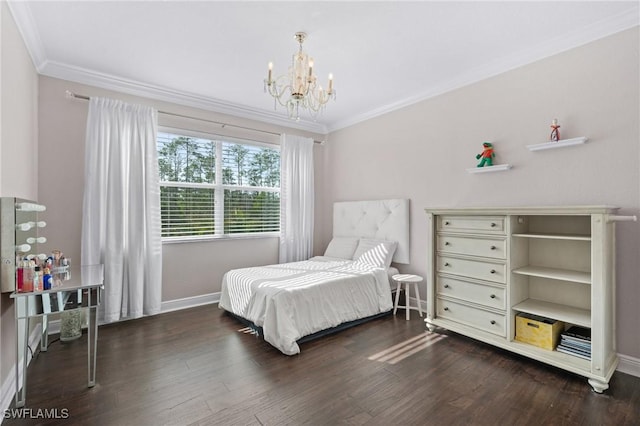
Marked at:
<point>383,55</point>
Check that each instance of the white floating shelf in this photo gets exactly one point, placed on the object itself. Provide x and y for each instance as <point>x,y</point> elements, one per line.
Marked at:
<point>559,144</point>
<point>488,169</point>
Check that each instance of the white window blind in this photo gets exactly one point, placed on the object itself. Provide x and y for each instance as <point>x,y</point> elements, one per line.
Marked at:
<point>216,187</point>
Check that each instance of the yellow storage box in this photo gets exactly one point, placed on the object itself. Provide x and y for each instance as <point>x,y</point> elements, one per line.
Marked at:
<point>538,331</point>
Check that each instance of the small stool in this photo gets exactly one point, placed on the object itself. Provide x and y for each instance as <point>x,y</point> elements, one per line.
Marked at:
<point>407,279</point>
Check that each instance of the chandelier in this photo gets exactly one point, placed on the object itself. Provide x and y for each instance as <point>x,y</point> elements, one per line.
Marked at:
<point>299,89</point>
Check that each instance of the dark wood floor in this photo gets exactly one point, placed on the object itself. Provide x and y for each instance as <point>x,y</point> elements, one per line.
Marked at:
<point>193,367</point>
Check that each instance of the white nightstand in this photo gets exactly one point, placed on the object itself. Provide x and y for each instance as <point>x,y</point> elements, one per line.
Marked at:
<point>407,279</point>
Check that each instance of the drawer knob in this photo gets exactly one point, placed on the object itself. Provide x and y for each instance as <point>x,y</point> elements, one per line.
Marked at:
<point>493,247</point>
<point>447,222</point>
<point>447,243</point>
<point>493,225</point>
<point>493,271</point>
<point>493,296</point>
<point>493,322</point>
<point>446,286</point>
<point>446,264</point>
<point>446,309</point>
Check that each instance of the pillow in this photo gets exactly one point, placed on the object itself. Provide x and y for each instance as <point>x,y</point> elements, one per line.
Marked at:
<point>375,252</point>
<point>342,247</point>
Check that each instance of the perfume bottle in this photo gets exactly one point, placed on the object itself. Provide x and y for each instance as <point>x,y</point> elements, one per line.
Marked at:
<point>27,273</point>
<point>37,279</point>
<point>20,276</point>
<point>46,279</point>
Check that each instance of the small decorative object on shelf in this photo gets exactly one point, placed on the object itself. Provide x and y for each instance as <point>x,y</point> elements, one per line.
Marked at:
<point>486,156</point>
<point>555,133</point>
<point>486,161</point>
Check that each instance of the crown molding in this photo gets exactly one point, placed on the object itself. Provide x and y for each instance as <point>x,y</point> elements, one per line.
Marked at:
<point>24,21</point>
<point>598,30</point>
<point>137,88</point>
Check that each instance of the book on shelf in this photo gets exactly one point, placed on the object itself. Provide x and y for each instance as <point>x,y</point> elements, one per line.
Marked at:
<point>579,354</point>
<point>575,339</point>
<point>577,332</point>
<point>576,348</point>
<point>575,343</point>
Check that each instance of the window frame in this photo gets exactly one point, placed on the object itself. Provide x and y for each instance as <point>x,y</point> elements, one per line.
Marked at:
<point>218,188</point>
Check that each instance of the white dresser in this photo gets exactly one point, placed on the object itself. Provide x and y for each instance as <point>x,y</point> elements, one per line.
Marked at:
<point>487,265</point>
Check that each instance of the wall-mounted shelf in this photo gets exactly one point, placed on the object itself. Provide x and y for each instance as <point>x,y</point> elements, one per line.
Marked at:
<point>559,144</point>
<point>488,169</point>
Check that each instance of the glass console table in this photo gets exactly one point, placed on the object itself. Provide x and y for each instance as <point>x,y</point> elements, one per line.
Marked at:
<point>72,289</point>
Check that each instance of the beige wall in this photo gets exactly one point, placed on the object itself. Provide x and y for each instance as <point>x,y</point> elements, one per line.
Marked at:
<point>18,150</point>
<point>421,152</point>
<point>189,269</point>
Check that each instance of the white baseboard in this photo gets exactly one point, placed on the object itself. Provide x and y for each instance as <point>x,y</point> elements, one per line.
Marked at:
<point>8,390</point>
<point>189,302</point>
<point>423,304</point>
<point>629,365</point>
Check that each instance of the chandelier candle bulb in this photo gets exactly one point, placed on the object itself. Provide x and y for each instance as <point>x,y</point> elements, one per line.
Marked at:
<point>270,71</point>
<point>330,84</point>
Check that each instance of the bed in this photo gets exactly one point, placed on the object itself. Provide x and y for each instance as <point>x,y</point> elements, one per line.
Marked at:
<point>288,303</point>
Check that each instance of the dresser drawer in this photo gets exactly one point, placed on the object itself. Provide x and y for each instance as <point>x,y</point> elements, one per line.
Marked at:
<point>474,317</point>
<point>484,270</point>
<point>486,295</point>
<point>485,247</point>
<point>481,224</point>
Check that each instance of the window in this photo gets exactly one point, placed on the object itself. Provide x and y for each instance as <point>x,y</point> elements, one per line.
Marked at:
<point>220,186</point>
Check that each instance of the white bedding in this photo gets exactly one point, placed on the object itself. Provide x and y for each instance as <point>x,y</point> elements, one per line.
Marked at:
<point>293,300</point>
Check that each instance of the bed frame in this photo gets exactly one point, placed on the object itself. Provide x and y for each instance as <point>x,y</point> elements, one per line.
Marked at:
<point>318,334</point>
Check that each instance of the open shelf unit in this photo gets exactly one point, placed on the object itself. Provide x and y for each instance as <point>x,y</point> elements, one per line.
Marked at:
<point>551,267</point>
<point>558,263</point>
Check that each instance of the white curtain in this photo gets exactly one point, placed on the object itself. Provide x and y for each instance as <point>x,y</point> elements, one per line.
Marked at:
<point>296,198</point>
<point>121,208</point>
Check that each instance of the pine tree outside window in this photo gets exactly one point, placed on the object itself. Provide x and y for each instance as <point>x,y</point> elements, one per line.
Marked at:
<point>217,186</point>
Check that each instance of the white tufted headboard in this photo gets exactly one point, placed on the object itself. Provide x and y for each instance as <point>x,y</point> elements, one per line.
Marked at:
<point>379,219</point>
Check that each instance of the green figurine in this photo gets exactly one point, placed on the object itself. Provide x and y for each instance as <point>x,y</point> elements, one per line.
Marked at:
<point>487,155</point>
